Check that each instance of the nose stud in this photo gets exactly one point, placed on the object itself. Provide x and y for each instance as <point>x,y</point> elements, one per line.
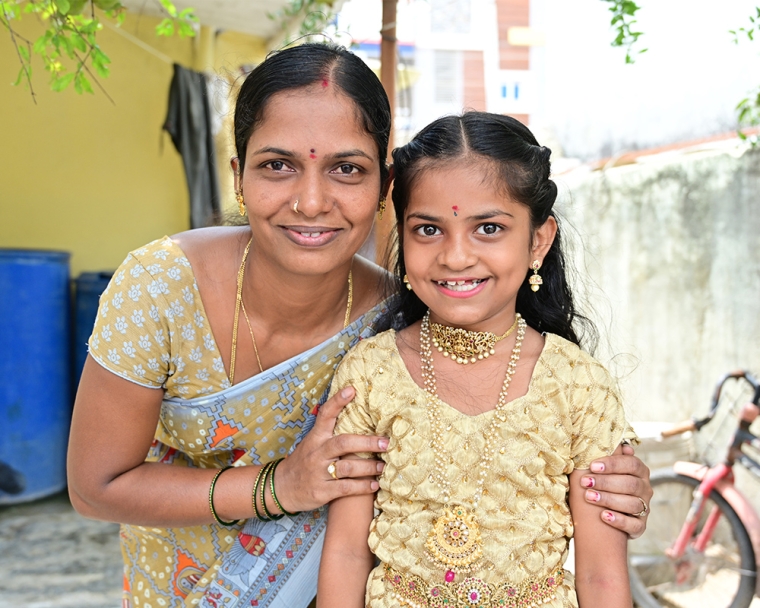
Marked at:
<point>295,206</point>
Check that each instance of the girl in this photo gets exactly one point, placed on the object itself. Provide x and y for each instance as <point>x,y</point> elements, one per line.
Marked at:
<point>492,408</point>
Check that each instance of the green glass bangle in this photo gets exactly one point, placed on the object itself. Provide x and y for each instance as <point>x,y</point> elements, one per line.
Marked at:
<point>221,522</point>
<point>274,494</point>
<point>255,493</point>
<point>268,471</point>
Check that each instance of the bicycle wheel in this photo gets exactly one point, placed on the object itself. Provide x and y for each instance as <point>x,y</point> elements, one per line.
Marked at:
<point>721,577</point>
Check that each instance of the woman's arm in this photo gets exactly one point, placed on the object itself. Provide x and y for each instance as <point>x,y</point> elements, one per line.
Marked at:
<point>601,571</point>
<point>114,423</point>
<point>619,482</point>
<point>346,558</point>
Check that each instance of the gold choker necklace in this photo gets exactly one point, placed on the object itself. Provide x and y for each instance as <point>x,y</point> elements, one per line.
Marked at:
<point>454,542</point>
<point>467,346</point>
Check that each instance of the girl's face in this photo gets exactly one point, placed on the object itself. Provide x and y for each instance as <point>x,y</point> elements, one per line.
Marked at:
<point>467,247</point>
<point>310,146</point>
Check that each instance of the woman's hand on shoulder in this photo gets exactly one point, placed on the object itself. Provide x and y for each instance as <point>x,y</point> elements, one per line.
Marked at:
<point>304,477</point>
<point>620,484</point>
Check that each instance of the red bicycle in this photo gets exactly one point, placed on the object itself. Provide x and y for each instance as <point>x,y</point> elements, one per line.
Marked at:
<point>703,536</point>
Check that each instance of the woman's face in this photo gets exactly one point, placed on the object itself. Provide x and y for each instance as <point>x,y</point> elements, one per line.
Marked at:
<point>310,146</point>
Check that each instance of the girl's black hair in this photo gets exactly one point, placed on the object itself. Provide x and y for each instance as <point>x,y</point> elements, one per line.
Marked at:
<point>304,65</point>
<point>512,157</point>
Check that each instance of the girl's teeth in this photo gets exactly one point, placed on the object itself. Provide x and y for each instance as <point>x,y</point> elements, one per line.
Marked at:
<point>311,234</point>
<point>461,285</point>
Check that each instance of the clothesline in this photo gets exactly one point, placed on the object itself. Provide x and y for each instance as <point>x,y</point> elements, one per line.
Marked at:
<point>143,45</point>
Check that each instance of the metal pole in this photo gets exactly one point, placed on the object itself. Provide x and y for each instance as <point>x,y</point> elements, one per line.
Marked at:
<point>388,78</point>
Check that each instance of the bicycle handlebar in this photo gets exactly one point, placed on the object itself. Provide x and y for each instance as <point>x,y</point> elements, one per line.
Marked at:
<point>679,429</point>
<point>697,423</point>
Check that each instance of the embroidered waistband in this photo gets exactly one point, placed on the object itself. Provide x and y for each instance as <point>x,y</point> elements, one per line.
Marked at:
<point>411,590</point>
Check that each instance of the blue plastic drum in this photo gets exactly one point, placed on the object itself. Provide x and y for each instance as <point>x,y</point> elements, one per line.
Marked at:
<point>35,367</point>
<point>89,286</point>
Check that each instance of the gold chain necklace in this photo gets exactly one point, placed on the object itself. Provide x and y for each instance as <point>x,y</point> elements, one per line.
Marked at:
<point>454,542</point>
<point>466,346</point>
<point>240,305</point>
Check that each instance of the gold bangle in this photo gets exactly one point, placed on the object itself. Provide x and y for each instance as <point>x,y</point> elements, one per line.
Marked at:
<point>274,495</point>
<point>255,492</point>
<point>267,471</point>
<point>221,522</point>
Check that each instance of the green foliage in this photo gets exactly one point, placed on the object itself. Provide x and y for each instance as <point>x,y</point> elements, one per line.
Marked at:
<point>68,43</point>
<point>622,22</point>
<point>314,16</point>
<point>748,109</point>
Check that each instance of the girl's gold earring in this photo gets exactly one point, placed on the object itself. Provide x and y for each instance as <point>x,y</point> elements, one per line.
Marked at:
<point>381,208</point>
<point>240,201</point>
<point>535,280</point>
<point>407,283</point>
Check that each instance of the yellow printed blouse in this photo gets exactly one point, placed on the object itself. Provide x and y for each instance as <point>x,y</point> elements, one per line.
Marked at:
<point>571,415</point>
<point>152,328</point>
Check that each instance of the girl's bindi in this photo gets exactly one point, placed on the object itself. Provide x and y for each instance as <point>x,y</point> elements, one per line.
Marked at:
<point>325,83</point>
<point>312,153</point>
<point>455,208</point>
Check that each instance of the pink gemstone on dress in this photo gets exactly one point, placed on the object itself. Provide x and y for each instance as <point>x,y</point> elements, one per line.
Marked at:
<point>550,581</point>
<point>449,576</point>
<point>534,587</point>
<point>435,592</point>
<point>473,596</point>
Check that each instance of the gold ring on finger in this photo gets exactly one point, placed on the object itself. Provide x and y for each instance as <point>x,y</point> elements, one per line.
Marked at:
<point>332,468</point>
<point>644,511</point>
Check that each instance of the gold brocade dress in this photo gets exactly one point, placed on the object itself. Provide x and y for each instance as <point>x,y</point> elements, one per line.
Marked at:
<point>571,415</point>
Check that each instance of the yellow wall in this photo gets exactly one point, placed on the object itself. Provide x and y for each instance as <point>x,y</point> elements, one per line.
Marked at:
<point>81,174</point>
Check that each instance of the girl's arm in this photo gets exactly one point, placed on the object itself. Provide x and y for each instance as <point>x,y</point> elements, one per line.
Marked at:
<point>346,558</point>
<point>601,571</point>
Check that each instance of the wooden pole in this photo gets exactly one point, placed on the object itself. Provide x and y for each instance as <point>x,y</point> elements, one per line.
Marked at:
<point>388,78</point>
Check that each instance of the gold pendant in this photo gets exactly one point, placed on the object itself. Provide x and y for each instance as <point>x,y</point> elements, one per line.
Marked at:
<point>454,541</point>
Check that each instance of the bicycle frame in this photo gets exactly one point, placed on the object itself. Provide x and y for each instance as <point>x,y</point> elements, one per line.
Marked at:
<point>721,479</point>
<point>725,487</point>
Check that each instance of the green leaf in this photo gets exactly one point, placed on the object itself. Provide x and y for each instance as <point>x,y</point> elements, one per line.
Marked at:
<point>169,7</point>
<point>78,42</point>
<point>165,28</point>
<point>24,52</point>
<point>21,73</point>
<point>59,83</point>
<point>63,6</point>
<point>741,136</point>
<point>186,30</point>
<point>82,84</point>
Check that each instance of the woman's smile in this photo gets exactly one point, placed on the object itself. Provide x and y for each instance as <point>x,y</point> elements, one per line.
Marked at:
<point>311,236</point>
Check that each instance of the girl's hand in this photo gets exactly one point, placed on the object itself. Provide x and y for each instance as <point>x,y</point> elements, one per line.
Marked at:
<point>303,480</point>
<point>620,483</point>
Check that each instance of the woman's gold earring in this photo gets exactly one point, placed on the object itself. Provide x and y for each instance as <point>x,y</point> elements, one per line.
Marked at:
<point>240,201</point>
<point>407,283</point>
<point>535,280</point>
<point>381,208</point>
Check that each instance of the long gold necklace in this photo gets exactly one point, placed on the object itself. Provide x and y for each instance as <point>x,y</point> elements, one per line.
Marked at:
<point>466,346</point>
<point>239,305</point>
<point>454,542</point>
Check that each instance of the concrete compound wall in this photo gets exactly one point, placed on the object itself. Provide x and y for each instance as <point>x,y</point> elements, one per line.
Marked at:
<point>671,244</point>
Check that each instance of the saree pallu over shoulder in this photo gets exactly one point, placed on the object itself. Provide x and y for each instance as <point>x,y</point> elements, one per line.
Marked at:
<point>265,564</point>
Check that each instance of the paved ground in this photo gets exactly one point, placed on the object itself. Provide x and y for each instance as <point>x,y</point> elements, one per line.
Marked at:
<point>51,557</point>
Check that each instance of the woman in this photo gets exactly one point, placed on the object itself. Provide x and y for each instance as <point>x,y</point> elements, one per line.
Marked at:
<point>215,348</point>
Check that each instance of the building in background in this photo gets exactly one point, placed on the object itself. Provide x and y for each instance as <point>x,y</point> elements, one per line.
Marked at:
<point>550,63</point>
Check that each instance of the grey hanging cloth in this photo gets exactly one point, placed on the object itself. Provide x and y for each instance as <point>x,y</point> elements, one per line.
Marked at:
<point>188,121</point>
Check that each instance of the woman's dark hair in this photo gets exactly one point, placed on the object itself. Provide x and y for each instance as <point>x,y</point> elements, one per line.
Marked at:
<point>516,162</point>
<point>301,66</point>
